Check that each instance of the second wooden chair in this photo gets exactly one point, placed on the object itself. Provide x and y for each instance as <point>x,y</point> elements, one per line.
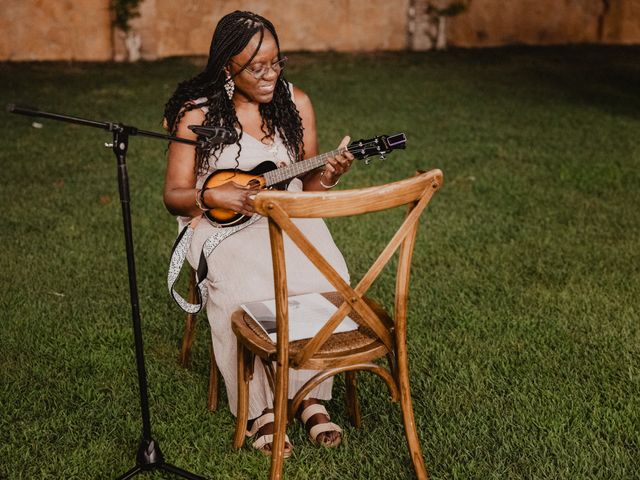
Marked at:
<point>188,337</point>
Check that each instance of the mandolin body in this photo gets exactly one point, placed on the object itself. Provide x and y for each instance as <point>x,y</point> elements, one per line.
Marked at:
<point>223,217</point>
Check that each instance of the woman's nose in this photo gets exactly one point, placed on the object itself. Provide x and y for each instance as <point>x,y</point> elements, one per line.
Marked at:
<point>271,73</point>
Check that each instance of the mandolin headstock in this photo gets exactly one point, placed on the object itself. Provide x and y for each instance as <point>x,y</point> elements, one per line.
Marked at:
<point>380,145</point>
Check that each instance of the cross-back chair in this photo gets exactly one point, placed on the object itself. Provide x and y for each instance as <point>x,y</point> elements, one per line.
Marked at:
<point>188,336</point>
<point>379,334</point>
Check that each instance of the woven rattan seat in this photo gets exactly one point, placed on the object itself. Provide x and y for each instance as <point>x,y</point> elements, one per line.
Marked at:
<point>363,340</point>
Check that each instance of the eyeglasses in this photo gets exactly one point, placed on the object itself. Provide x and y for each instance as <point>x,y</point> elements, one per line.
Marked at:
<point>259,70</point>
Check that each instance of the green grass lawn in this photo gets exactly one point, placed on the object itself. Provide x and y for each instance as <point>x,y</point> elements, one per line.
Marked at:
<point>523,332</point>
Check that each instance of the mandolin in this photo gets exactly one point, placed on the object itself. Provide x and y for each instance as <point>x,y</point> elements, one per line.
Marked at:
<point>268,175</point>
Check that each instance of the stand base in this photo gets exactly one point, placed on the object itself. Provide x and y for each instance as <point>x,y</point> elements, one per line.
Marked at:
<point>150,457</point>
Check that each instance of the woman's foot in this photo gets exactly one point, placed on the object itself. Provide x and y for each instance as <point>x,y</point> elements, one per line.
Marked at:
<point>262,429</point>
<point>318,425</point>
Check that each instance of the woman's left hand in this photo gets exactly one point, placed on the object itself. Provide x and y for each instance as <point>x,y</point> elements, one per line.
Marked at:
<point>337,165</point>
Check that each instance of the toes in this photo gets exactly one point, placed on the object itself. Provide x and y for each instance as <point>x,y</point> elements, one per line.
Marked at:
<point>331,437</point>
<point>327,438</point>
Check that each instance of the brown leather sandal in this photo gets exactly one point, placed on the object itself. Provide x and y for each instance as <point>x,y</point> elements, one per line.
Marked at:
<point>320,427</point>
<point>263,441</point>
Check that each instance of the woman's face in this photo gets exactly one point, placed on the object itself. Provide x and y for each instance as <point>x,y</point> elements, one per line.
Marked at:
<point>249,88</point>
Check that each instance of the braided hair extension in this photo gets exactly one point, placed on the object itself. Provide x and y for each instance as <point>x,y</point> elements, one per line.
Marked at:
<point>231,36</point>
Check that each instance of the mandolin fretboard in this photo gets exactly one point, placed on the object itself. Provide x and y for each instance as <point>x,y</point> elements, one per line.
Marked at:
<point>298,168</point>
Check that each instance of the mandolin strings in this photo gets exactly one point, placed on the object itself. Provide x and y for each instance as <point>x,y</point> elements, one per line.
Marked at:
<point>285,173</point>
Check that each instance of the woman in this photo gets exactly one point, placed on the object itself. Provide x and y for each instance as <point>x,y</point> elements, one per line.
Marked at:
<point>243,88</point>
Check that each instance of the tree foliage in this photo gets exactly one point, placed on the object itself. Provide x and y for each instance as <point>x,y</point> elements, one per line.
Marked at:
<point>122,12</point>
<point>450,10</point>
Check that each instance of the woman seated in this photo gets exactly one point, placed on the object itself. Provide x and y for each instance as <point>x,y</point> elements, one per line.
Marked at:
<point>243,88</point>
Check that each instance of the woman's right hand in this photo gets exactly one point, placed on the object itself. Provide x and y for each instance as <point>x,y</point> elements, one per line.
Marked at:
<point>231,196</point>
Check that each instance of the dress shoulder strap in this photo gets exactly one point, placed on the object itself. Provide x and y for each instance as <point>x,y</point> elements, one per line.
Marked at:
<point>201,103</point>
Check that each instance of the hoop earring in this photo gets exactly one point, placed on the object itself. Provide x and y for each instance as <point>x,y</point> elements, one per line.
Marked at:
<point>229,86</point>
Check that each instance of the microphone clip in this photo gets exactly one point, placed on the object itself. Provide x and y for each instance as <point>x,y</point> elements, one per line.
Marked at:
<point>214,135</point>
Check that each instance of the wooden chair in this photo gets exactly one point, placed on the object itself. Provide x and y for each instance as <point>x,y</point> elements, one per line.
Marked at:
<point>188,336</point>
<point>379,335</point>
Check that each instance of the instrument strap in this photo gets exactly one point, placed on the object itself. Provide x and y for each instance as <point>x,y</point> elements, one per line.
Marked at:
<point>179,252</point>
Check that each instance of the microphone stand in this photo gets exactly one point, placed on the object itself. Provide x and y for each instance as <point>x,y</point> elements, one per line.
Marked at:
<point>149,456</point>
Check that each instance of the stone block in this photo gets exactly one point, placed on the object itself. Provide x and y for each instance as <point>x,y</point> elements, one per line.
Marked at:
<point>55,30</point>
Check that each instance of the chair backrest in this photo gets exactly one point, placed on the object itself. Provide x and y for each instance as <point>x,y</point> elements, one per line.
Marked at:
<point>281,207</point>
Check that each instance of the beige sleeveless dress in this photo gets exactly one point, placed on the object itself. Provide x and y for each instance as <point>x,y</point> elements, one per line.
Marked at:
<point>240,271</point>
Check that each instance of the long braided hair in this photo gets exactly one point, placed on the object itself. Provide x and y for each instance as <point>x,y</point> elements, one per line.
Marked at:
<point>231,36</point>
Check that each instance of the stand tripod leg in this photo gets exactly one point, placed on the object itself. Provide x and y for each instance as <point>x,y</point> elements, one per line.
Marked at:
<point>130,474</point>
<point>167,467</point>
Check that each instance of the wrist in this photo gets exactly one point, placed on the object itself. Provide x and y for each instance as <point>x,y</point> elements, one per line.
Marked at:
<point>202,202</point>
<point>209,198</point>
<point>328,182</point>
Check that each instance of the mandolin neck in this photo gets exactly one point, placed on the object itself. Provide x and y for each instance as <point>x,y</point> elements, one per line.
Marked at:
<point>296,169</point>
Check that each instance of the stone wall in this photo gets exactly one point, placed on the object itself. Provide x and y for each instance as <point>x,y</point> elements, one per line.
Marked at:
<point>80,30</point>
<point>549,22</point>
<point>341,25</point>
<point>55,30</point>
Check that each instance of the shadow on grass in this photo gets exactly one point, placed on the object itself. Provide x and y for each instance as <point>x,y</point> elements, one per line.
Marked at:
<point>605,78</point>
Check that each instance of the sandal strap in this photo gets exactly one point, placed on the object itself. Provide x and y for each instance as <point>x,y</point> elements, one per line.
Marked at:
<point>312,410</point>
<point>260,422</point>
<point>323,427</point>
<point>266,439</point>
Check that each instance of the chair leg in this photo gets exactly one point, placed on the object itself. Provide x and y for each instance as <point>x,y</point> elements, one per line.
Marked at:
<point>391,359</point>
<point>212,401</point>
<point>280,421</point>
<point>242,410</point>
<point>189,324</point>
<point>353,405</point>
<point>411,433</point>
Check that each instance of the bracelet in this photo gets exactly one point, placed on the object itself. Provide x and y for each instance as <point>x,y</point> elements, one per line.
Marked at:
<point>200,199</point>
<point>328,186</point>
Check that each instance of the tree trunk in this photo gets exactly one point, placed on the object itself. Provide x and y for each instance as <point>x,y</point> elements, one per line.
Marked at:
<point>606,6</point>
<point>441,39</point>
<point>133,42</point>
